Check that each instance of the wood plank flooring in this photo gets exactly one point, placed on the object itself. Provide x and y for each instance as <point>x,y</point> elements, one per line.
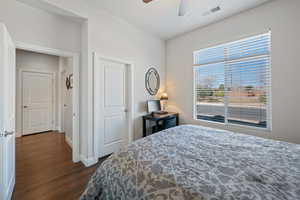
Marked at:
<point>45,171</point>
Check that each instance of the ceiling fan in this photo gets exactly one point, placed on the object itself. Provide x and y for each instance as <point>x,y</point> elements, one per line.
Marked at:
<point>183,7</point>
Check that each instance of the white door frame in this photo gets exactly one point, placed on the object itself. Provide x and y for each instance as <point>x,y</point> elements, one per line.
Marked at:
<point>61,111</point>
<point>76,86</point>
<point>130,96</point>
<point>61,99</point>
<point>20,99</point>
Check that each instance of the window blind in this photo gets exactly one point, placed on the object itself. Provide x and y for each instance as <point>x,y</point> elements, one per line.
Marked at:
<point>233,81</point>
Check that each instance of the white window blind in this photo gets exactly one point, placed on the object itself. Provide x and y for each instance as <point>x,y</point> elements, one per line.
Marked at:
<point>233,82</point>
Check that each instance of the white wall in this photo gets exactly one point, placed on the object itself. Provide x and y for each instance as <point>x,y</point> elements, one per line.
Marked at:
<point>111,36</point>
<point>282,17</point>
<point>35,26</point>
<point>40,62</point>
<point>116,38</point>
<point>103,33</point>
<point>121,40</point>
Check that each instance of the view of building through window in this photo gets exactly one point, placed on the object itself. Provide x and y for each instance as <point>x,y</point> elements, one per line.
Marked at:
<point>232,82</point>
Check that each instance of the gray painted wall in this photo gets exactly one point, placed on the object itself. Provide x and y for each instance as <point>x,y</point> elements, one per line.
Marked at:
<point>282,17</point>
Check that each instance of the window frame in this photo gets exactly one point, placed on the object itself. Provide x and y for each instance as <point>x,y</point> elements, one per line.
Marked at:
<point>268,128</point>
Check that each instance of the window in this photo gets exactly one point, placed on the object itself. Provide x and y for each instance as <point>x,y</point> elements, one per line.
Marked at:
<point>232,82</point>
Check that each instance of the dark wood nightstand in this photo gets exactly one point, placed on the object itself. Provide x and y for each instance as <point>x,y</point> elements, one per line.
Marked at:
<point>161,122</point>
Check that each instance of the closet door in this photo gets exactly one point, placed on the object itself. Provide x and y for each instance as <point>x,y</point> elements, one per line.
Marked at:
<point>110,93</point>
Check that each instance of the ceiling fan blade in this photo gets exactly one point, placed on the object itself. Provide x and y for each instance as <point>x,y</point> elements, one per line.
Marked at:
<point>183,7</point>
<point>147,1</point>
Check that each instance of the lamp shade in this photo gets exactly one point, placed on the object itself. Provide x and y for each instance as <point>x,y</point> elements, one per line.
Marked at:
<point>164,96</point>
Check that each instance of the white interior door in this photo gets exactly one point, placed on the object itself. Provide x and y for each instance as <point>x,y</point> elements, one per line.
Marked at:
<point>110,103</point>
<point>37,97</point>
<point>7,114</point>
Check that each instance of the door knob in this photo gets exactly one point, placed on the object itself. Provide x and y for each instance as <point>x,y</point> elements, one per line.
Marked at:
<point>7,133</point>
<point>25,106</point>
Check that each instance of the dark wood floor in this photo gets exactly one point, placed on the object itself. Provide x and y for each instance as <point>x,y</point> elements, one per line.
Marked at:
<point>45,171</point>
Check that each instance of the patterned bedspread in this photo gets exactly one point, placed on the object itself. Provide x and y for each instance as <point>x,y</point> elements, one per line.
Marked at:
<point>193,162</point>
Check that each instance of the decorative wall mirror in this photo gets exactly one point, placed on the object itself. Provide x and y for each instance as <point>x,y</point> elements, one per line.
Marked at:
<point>152,81</point>
<point>69,82</point>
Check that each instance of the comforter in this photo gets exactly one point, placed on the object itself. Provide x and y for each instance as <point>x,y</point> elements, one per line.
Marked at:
<point>193,162</point>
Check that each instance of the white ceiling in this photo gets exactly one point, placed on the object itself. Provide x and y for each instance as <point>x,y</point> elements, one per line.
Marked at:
<point>160,17</point>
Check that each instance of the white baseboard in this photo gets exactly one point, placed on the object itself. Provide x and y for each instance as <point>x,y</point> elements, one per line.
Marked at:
<point>58,128</point>
<point>18,135</point>
<point>69,141</point>
<point>88,161</point>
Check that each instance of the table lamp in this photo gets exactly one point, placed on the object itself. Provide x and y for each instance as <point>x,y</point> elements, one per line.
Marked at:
<point>164,97</point>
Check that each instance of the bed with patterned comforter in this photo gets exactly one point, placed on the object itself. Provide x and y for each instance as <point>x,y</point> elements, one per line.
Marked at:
<point>193,162</point>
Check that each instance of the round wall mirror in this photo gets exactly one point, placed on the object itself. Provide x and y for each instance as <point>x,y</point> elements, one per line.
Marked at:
<point>152,81</point>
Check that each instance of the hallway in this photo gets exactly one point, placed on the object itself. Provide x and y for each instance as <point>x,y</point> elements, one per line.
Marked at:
<point>45,171</point>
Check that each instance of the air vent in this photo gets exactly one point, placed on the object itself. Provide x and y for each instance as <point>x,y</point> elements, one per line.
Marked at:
<point>213,10</point>
<point>216,9</point>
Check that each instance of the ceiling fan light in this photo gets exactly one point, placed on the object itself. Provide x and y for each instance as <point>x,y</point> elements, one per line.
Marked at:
<point>147,1</point>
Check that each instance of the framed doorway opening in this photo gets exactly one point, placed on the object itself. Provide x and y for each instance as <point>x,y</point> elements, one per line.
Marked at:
<point>75,89</point>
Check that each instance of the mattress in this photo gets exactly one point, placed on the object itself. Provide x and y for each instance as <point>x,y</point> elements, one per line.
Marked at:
<point>193,162</point>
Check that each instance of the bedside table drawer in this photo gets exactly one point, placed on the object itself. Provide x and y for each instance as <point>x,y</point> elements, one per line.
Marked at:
<point>170,122</point>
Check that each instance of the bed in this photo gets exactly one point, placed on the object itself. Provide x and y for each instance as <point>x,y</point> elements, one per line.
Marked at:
<point>193,162</point>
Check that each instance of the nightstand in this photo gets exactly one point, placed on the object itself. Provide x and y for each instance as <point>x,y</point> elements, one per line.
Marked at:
<point>160,121</point>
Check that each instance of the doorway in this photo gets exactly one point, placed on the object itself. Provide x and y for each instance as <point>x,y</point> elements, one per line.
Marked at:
<point>69,61</point>
<point>8,114</point>
<point>45,93</point>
